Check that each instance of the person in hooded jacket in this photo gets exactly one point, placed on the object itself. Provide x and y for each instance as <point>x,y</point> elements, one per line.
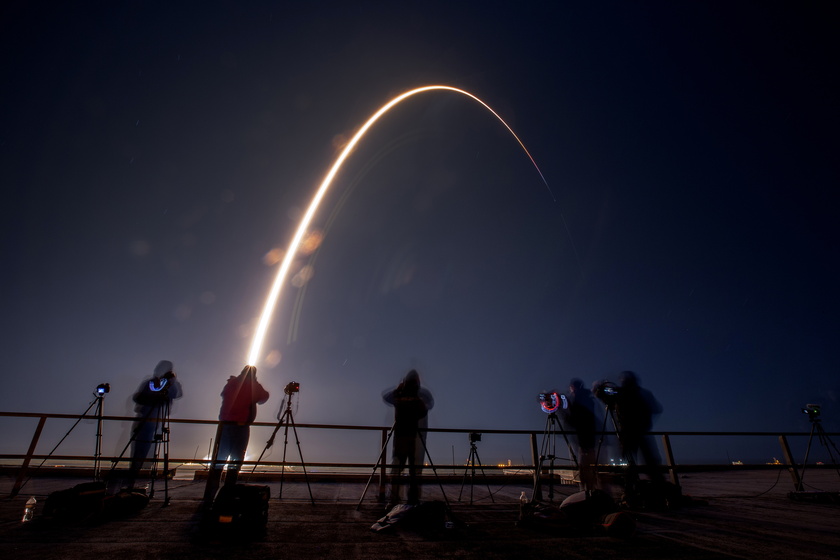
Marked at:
<point>411,404</point>
<point>240,398</point>
<point>582,418</point>
<point>152,400</point>
<point>635,410</point>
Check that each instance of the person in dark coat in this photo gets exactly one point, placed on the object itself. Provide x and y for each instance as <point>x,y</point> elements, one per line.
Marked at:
<point>152,400</point>
<point>411,404</point>
<point>581,417</point>
<point>240,398</point>
<point>635,410</point>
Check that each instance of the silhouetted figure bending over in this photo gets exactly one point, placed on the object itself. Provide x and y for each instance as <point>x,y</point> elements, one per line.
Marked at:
<point>152,402</point>
<point>411,404</point>
<point>240,398</point>
<point>635,410</point>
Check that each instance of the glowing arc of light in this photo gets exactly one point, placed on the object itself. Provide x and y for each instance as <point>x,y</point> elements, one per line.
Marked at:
<point>279,279</point>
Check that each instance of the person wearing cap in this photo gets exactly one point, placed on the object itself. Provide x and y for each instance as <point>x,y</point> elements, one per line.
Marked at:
<point>153,400</point>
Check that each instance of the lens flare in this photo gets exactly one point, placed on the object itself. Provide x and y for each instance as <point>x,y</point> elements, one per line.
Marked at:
<point>303,226</point>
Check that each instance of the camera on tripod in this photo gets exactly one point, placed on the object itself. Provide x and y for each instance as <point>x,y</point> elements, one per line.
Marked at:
<point>474,437</point>
<point>551,402</point>
<point>606,391</point>
<point>103,388</point>
<point>292,387</point>
<point>813,412</point>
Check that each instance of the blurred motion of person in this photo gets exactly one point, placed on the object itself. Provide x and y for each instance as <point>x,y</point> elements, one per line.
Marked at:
<point>240,398</point>
<point>581,417</point>
<point>152,400</point>
<point>635,410</point>
<point>411,403</point>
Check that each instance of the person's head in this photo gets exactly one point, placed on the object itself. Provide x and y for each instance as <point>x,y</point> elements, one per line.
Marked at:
<point>411,382</point>
<point>575,385</point>
<point>164,367</point>
<point>248,372</point>
<point>628,379</point>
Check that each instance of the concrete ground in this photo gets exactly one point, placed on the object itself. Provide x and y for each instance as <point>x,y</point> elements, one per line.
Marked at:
<point>735,514</point>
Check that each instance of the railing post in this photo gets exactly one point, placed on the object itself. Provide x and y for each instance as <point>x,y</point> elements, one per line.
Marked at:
<point>25,465</point>
<point>382,462</point>
<point>794,472</point>
<point>535,460</point>
<point>669,457</point>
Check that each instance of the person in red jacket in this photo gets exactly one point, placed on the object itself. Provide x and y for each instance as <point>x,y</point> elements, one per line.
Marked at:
<point>240,398</point>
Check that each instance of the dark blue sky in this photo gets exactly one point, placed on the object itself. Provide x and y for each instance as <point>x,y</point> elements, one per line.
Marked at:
<point>151,157</point>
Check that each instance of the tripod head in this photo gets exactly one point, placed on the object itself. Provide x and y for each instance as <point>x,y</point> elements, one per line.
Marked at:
<point>813,412</point>
<point>290,389</point>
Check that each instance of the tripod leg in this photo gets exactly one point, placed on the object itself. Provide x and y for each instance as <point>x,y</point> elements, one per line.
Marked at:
<point>379,460</point>
<point>302,463</point>
<point>268,444</point>
<point>829,445</point>
<point>97,459</point>
<point>138,457</point>
<point>568,445</point>
<point>807,452</point>
<point>165,437</point>
<point>466,472</point>
<point>551,448</point>
<point>472,476</point>
<point>536,494</point>
<point>484,476</point>
<point>284,418</point>
<point>434,470</point>
<point>214,474</point>
<point>603,434</point>
<point>20,483</point>
<point>159,423</point>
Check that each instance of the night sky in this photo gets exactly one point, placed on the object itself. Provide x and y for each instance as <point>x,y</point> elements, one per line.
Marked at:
<point>152,156</point>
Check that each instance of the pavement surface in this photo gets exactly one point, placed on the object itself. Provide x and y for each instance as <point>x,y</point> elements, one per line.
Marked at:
<point>746,514</point>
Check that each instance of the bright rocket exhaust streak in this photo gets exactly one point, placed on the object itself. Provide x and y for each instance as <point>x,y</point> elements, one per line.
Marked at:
<point>274,293</point>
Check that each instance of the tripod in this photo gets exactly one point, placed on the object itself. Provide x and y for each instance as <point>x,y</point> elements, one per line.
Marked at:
<point>150,431</point>
<point>548,451</point>
<point>286,420</point>
<point>470,470</point>
<point>97,454</point>
<point>99,397</point>
<point>161,441</point>
<point>825,441</point>
<point>381,461</point>
<point>609,413</point>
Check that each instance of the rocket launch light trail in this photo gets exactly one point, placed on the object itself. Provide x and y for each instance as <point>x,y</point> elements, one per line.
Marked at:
<point>274,293</point>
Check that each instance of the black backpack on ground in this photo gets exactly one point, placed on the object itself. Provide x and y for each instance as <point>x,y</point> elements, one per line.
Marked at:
<point>587,507</point>
<point>81,503</point>
<point>238,512</point>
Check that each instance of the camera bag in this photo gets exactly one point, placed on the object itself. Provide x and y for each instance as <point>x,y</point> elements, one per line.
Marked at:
<point>80,503</point>
<point>240,511</point>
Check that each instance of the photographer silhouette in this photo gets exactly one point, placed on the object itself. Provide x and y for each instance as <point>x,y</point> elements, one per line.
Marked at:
<point>152,401</point>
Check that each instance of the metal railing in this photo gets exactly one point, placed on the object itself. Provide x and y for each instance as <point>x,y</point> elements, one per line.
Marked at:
<point>24,460</point>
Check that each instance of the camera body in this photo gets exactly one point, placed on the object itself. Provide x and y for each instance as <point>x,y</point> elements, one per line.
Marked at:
<point>607,392</point>
<point>551,402</point>
<point>292,387</point>
<point>474,437</point>
<point>813,412</point>
<point>103,388</point>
